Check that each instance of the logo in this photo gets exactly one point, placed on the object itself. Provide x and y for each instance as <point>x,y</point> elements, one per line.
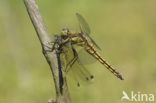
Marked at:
<point>138,97</point>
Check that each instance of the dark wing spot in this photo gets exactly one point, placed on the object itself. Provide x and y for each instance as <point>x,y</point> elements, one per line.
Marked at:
<point>91,77</point>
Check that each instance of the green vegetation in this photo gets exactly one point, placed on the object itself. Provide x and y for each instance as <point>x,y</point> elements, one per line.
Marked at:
<point>125,31</point>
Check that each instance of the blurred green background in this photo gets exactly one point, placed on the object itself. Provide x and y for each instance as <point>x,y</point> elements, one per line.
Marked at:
<point>124,29</point>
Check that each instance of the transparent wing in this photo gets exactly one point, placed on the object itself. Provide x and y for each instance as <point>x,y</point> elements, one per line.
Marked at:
<point>85,29</point>
<point>83,24</point>
<point>94,43</point>
<point>84,57</point>
<point>76,68</point>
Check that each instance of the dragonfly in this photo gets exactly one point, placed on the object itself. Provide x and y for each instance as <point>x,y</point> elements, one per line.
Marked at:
<point>66,41</point>
<point>90,46</point>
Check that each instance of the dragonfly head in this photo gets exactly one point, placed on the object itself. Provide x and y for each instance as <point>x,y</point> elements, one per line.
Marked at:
<point>65,31</point>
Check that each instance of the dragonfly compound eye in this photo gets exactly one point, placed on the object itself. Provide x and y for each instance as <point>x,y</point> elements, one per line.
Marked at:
<point>65,31</point>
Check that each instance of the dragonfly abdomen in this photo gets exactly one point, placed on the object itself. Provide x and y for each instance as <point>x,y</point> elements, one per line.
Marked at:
<point>93,52</point>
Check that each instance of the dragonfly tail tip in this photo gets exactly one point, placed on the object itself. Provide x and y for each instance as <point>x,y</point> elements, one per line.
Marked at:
<point>121,77</point>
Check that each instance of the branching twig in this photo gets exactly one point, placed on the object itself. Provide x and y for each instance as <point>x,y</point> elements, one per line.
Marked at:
<point>46,41</point>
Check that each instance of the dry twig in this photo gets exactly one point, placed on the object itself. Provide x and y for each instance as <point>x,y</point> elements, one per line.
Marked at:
<point>51,58</point>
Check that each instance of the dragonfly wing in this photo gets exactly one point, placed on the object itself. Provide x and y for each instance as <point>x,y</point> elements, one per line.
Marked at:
<point>83,24</point>
<point>84,57</point>
<point>95,43</point>
<point>76,68</point>
<point>81,71</point>
<point>85,29</point>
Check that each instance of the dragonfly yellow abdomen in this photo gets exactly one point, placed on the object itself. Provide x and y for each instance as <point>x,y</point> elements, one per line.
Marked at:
<point>92,51</point>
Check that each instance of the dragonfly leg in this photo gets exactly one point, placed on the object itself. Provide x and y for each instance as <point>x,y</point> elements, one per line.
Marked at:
<point>55,43</point>
<point>69,65</point>
<point>50,49</point>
